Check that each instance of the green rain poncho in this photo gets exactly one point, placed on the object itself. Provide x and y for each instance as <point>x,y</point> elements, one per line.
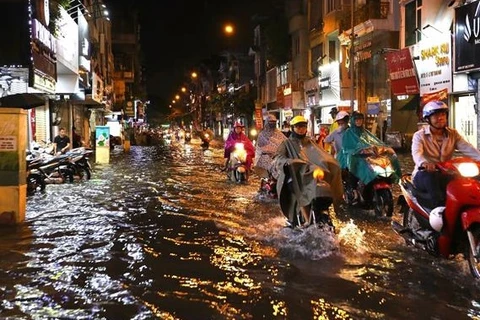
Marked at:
<point>359,148</point>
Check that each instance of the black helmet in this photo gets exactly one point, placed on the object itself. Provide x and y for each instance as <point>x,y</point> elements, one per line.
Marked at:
<point>333,111</point>
<point>358,115</point>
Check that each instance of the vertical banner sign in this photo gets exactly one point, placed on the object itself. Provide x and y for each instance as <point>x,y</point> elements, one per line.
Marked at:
<point>467,37</point>
<point>102,136</point>
<point>403,78</point>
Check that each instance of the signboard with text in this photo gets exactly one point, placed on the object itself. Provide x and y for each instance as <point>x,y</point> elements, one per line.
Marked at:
<point>434,67</point>
<point>403,78</point>
<point>467,37</point>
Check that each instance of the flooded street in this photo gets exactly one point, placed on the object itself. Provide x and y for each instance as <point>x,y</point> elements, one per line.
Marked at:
<point>159,233</point>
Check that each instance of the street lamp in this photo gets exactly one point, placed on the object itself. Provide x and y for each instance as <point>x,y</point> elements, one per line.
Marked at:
<point>228,29</point>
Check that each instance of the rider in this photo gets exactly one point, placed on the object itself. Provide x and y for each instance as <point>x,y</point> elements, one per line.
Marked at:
<point>237,135</point>
<point>300,149</point>
<point>335,137</point>
<point>267,144</point>
<point>435,143</point>
<point>357,138</point>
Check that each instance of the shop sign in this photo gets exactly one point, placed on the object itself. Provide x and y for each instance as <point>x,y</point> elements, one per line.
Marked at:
<point>434,67</point>
<point>329,83</point>
<point>43,83</point>
<point>467,37</point>
<point>403,78</point>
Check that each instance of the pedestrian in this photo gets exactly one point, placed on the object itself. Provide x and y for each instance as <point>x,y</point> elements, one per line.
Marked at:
<point>333,113</point>
<point>76,139</point>
<point>286,129</point>
<point>61,143</point>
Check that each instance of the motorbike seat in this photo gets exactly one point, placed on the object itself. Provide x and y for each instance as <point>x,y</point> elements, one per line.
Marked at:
<point>422,196</point>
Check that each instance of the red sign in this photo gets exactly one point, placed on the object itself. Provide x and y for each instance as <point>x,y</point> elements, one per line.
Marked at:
<point>403,78</point>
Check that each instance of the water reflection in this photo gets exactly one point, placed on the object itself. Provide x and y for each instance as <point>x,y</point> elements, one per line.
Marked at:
<point>160,233</point>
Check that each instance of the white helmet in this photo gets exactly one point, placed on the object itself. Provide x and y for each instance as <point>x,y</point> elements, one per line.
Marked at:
<point>432,107</point>
<point>436,218</point>
<point>342,115</point>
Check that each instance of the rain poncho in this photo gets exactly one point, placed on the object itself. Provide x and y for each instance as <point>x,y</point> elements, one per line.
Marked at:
<point>359,144</point>
<point>267,144</point>
<point>304,156</point>
<point>233,138</point>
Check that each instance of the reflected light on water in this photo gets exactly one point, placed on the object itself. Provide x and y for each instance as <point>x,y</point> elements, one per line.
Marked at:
<point>324,311</point>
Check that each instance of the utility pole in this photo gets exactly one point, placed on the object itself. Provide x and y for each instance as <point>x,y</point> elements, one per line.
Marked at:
<point>352,55</point>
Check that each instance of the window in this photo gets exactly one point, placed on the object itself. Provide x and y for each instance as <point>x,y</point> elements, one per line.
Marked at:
<point>332,49</point>
<point>316,53</point>
<point>332,5</point>
<point>413,22</point>
<point>282,75</point>
<point>296,45</point>
<point>315,13</point>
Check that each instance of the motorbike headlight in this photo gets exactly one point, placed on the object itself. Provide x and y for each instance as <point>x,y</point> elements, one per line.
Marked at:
<point>318,174</point>
<point>253,132</point>
<point>467,169</point>
<point>239,146</point>
<point>383,172</point>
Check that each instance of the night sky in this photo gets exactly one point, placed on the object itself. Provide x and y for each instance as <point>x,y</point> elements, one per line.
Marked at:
<point>177,35</point>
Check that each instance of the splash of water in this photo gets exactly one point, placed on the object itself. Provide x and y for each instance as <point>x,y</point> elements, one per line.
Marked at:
<point>352,237</point>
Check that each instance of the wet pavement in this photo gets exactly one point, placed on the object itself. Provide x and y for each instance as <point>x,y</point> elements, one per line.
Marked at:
<point>159,233</point>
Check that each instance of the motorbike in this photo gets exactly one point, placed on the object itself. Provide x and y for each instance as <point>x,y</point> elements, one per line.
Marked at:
<point>268,184</point>
<point>321,197</point>
<point>48,170</point>
<point>377,193</point>
<point>79,157</point>
<point>188,136</point>
<point>457,229</point>
<point>205,141</point>
<point>237,170</point>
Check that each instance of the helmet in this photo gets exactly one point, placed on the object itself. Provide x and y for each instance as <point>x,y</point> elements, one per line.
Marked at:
<point>342,115</point>
<point>358,115</point>
<point>238,124</point>
<point>298,119</point>
<point>334,111</point>
<point>436,218</point>
<point>433,107</point>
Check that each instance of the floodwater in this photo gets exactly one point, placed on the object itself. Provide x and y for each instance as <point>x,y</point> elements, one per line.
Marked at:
<point>159,233</point>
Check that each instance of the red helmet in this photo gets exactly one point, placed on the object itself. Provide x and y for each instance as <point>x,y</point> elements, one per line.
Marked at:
<point>238,124</point>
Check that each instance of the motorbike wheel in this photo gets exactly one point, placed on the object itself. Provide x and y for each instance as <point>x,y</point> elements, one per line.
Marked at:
<point>67,174</point>
<point>84,173</point>
<point>383,203</point>
<point>473,251</point>
<point>35,183</point>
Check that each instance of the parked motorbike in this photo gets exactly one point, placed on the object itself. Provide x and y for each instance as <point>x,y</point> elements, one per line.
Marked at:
<point>237,170</point>
<point>457,229</point>
<point>79,157</point>
<point>48,170</point>
<point>377,193</point>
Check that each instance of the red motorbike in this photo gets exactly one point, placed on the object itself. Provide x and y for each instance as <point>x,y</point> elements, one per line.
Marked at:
<point>454,231</point>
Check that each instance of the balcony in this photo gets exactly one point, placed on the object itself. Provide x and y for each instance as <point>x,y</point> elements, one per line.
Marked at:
<point>375,10</point>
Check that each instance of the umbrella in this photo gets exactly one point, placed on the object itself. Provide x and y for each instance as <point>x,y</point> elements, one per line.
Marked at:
<point>22,100</point>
